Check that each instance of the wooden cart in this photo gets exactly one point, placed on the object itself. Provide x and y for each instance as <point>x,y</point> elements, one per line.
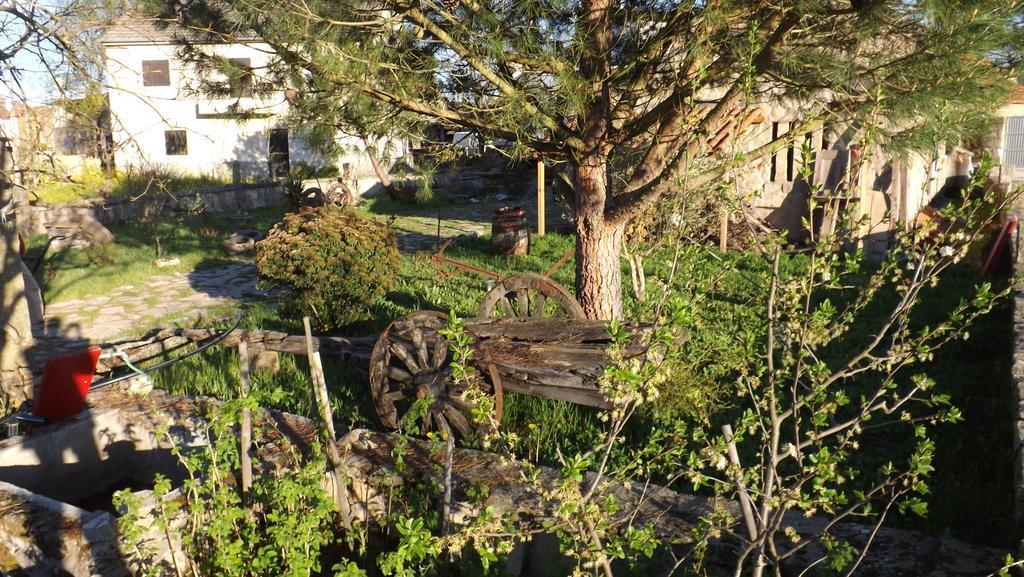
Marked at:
<point>530,337</point>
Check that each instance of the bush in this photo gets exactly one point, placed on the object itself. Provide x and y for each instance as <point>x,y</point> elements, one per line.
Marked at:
<point>306,170</point>
<point>331,264</point>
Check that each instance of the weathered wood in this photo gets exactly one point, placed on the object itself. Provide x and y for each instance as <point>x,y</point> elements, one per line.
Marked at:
<point>588,397</point>
<point>559,359</point>
<point>543,376</point>
<point>161,344</point>
<point>586,357</point>
<point>411,361</point>
<point>535,297</point>
<point>167,341</point>
<point>350,347</point>
<point>245,435</point>
<point>324,403</point>
<point>48,534</point>
<point>543,330</point>
<point>521,492</point>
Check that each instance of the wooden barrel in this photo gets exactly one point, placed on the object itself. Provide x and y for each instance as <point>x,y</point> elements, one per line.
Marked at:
<point>510,233</point>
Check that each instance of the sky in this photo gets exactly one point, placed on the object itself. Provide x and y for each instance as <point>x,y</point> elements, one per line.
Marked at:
<point>24,77</point>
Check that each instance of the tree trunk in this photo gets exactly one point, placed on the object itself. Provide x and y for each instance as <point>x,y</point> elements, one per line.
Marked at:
<point>15,323</point>
<point>598,244</point>
<point>371,151</point>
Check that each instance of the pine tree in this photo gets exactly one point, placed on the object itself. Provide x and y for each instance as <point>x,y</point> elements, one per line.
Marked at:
<point>641,86</point>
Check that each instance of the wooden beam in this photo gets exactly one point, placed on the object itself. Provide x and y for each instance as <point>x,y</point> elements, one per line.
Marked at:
<point>245,435</point>
<point>323,401</point>
<point>561,330</point>
<point>540,197</point>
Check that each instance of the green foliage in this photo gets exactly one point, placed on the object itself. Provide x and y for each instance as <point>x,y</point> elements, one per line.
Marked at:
<point>93,182</point>
<point>330,263</point>
<point>715,360</point>
<point>282,527</point>
<point>306,170</point>
<point>417,546</point>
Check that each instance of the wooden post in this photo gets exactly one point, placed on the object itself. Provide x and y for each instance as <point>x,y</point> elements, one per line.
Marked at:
<point>446,505</point>
<point>723,228</point>
<point>540,197</point>
<point>246,433</point>
<point>323,402</point>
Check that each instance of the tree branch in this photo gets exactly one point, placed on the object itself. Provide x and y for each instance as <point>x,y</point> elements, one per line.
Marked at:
<point>629,204</point>
<point>651,172</point>
<point>504,85</point>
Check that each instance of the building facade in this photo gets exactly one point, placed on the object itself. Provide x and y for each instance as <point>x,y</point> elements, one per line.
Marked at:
<point>160,119</point>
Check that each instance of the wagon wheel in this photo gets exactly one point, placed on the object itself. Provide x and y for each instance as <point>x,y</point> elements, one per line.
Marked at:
<point>529,295</point>
<point>411,360</point>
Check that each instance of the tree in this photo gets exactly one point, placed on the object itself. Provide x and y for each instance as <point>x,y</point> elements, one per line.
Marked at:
<point>49,52</point>
<point>628,94</point>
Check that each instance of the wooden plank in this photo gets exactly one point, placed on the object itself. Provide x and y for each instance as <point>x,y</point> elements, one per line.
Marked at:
<point>143,350</point>
<point>245,435</point>
<point>543,330</point>
<point>582,357</point>
<point>544,376</point>
<point>585,397</point>
<point>356,348</point>
<point>540,198</point>
<point>324,403</point>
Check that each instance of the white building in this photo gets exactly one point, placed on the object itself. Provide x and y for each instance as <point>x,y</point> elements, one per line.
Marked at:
<point>1007,141</point>
<point>160,120</point>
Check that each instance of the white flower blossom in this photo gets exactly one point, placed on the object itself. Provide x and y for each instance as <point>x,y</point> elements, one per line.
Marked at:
<point>720,463</point>
<point>946,251</point>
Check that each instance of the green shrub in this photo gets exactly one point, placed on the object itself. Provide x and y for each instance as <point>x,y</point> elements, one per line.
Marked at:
<point>329,262</point>
<point>303,169</point>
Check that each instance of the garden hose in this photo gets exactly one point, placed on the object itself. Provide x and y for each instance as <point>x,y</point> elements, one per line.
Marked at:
<point>145,372</point>
<point>136,371</point>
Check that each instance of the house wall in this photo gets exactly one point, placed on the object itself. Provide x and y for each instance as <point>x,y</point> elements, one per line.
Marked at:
<point>1008,177</point>
<point>141,114</point>
<point>994,142</point>
<point>900,187</point>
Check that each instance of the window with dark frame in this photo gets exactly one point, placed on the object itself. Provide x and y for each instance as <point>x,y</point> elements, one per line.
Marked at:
<point>156,73</point>
<point>176,142</point>
<point>241,86</point>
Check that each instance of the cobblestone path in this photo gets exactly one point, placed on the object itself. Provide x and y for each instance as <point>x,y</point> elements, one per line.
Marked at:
<point>133,310</point>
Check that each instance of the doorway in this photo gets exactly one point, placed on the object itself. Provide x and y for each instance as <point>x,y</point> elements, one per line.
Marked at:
<point>277,153</point>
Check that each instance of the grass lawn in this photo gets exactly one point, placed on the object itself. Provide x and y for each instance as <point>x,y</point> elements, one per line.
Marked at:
<point>78,274</point>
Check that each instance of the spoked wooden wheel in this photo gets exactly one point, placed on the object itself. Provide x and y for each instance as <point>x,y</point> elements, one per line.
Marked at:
<point>529,295</point>
<point>411,361</point>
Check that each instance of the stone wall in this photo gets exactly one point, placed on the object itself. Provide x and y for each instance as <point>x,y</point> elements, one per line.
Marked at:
<point>1018,377</point>
<point>41,218</point>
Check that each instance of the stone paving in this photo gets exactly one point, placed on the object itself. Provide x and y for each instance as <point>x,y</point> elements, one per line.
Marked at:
<point>132,310</point>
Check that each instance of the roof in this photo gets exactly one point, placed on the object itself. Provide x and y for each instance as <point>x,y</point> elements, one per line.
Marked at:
<point>135,29</point>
